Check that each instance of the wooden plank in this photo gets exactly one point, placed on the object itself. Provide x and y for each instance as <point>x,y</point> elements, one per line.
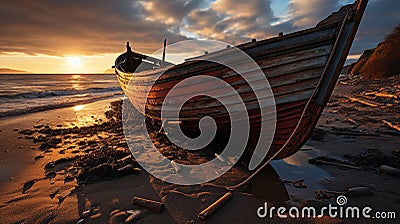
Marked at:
<point>266,63</point>
<point>265,47</point>
<point>301,69</point>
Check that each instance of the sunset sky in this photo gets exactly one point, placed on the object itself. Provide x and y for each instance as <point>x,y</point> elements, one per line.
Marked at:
<point>53,36</point>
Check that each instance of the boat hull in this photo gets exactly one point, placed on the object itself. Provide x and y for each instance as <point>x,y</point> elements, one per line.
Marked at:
<point>301,68</point>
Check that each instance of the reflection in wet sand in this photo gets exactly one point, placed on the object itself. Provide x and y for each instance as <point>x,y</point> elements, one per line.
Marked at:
<point>297,167</point>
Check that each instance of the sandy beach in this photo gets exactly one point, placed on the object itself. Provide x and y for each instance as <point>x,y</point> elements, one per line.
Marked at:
<point>72,165</point>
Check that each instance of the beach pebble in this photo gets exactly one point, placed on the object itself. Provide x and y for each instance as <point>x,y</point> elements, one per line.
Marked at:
<point>16,129</point>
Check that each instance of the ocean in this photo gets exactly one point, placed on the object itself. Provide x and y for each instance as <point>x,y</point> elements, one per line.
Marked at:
<point>21,94</point>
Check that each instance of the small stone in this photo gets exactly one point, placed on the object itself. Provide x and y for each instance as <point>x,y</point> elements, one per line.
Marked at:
<point>38,157</point>
<point>69,178</point>
<point>49,165</point>
<point>51,174</point>
<point>28,185</point>
<point>52,195</point>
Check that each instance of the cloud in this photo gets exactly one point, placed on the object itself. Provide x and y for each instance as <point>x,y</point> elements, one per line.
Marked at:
<point>306,13</point>
<point>232,21</point>
<point>91,27</point>
<point>169,12</point>
<point>55,27</point>
<point>380,17</point>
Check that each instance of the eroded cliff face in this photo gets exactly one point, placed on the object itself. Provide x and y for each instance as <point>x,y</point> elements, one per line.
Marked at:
<point>382,61</point>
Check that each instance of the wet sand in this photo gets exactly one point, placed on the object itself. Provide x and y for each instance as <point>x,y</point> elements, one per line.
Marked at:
<point>73,174</point>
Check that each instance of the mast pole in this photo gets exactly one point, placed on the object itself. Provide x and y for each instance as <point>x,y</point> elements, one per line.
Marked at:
<point>163,56</point>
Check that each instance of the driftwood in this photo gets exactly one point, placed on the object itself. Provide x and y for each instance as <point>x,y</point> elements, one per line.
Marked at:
<point>153,206</point>
<point>215,206</point>
<point>395,127</point>
<point>296,183</point>
<point>391,132</point>
<point>383,95</point>
<point>353,133</point>
<point>389,170</point>
<point>350,120</point>
<point>351,192</point>
<point>352,99</point>
<point>319,161</point>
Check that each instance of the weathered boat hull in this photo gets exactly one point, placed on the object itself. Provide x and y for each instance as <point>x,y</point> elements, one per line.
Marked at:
<point>302,69</point>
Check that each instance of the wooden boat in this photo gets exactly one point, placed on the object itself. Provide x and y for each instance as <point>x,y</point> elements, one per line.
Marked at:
<point>302,69</point>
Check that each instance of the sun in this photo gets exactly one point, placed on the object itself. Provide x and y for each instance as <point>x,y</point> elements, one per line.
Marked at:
<point>74,61</point>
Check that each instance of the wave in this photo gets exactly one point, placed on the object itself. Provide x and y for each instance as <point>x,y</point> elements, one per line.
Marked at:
<point>52,93</point>
<point>41,108</point>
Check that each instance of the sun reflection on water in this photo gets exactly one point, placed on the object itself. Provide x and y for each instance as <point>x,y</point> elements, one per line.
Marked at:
<point>76,82</point>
